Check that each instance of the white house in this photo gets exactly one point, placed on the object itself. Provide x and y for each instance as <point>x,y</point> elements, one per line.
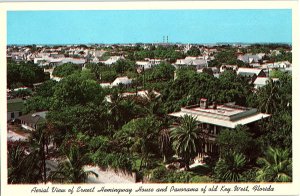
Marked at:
<point>225,67</point>
<point>251,73</point>
<point>31,121</point>
<point>281,65</point>
<point>142,93</point>
<point>153,61</point>
<point>249,58</point>
<point>122,80</point>
<point>77,61</point>
<point>194,61</point>
<point>143,64</point>
<point>262,81</point>
<point>105,85</point>
<point>57,60</point>
<point>113,59</point>
<point>215,70</point>
<point>214,118</point>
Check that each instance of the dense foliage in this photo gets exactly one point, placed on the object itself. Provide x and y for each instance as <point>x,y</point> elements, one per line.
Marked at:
<point>91,125</point>
<point>24,74</point>
<point>66,69</point>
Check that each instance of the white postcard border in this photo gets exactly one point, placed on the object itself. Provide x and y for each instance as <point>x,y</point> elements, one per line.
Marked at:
<point>280,188</point>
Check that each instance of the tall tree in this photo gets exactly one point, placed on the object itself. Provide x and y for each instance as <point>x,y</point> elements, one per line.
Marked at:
<point>268,97</point>
<point>23,166</point>
<point>186,139</point>
<point>140,136</point>
<point>165,143</point>
<point>163,71</point>
<point>77,89</point>
<point>20,74</point>
<point>233,88</point>
<point>38,143</point>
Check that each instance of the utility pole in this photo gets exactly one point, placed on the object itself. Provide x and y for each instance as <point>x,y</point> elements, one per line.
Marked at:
<point>144,76</point>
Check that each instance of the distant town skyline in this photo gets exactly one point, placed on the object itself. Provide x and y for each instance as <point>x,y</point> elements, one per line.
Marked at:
<point>149,26</point>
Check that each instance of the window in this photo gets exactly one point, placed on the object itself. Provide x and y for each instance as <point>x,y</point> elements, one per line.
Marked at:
<point>12,115</point>
<point>20,113</point>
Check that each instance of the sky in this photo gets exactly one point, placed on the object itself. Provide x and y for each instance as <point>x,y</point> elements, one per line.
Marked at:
<point>149,26</point>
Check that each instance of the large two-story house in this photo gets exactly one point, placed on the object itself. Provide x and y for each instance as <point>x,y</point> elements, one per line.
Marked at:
<point>213,118</point>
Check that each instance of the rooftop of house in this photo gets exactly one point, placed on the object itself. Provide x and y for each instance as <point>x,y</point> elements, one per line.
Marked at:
<point>121,80</point>
<point>105,84</point>
<point>21,88</point>
<point>143,93</point>
<point>262,81</point>
<point>34,118</point>
<point>142,62</point>
<point>113,59</point>
<point>227,115</point>
<point>191,61</point>
<point>249,58</point>
<point>248,71</point>
<point>15,104</point>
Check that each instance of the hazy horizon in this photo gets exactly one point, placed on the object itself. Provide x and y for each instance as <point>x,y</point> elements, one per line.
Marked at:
<point>205,44</point>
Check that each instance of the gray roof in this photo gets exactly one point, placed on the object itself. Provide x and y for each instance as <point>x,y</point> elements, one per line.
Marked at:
<point>249,58</point>
<point>191,61</point>
<point>248,71</point>
<point>33,118</point>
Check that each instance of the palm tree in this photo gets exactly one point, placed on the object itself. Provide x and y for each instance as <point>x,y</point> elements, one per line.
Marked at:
<point>165,143</point>
<point>153,103</point>
<point>268,97</point>
<point>27,160</point>
<point>146,138</point>
<point>17,163</point>
<point>186,139</point>
<point>71,169</point>
<point>230,168</point>
<point>276,166</point>
<point>24,165</point>
<point>38,145</point>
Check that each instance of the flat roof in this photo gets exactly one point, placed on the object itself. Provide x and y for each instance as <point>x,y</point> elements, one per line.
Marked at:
<point>228,111</point>
<point>223,122</point>
<point>220,110</point>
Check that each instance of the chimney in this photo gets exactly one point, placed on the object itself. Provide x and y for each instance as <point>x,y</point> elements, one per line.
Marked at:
<point>203,103</point>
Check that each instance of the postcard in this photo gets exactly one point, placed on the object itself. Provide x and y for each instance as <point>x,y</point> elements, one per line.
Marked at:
<point>150,98</point>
